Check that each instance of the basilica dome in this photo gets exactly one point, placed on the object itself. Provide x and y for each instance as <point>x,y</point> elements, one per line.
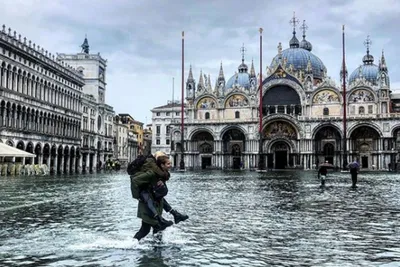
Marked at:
<point>242,78</point>
<point>368,70</point>
<point>298,57</point>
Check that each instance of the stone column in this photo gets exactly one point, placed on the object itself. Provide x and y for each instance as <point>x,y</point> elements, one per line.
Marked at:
<point>62,164</point>
<point>55,163</point>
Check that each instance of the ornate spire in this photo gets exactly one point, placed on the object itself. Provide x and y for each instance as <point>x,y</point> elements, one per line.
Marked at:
<point>382,63</point>
<point>220,83</point>
<point>368,59</point>
<point>304,43</point>
<point>252,70</point>
<point>85,46</point>
<point>221,72</point>
<point>294,42</point>
<point>243,67</point>
<point>190,77</point>
<point>201,81</point>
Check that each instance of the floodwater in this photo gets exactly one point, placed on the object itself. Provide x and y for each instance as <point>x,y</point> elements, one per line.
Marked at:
<point>236,219</point>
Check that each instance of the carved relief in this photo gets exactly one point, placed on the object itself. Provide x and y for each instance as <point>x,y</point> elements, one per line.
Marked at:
<point>237,101</point>
<point>280,129</point>
<point>326,96</point>
<point>361,96</point>
<point>206,103</point>
<point>280,73</point>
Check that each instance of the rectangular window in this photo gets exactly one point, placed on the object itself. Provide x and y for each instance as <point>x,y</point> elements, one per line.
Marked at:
<point>158,130</point>
<point>157,141</point>
<point>167,129</point>
<point>167,142</point>
<point>370,109</point>
<point>158,114</point>
<point>167,114</point>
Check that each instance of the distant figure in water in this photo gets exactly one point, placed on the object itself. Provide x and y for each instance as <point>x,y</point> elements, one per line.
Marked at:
<point>323,171</point>
<point>354,169</point>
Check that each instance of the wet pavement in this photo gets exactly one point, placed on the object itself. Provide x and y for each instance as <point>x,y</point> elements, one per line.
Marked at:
<point>236,219</point>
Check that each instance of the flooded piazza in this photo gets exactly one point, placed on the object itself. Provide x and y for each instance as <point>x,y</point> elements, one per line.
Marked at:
<point>236,219</point>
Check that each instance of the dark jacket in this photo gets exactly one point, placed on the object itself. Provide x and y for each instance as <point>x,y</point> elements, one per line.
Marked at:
<point>147,178</point>
<point>150,164</point>
<point>323,170</point>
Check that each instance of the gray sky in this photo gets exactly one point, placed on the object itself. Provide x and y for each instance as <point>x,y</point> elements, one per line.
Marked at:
<point>141,39</point>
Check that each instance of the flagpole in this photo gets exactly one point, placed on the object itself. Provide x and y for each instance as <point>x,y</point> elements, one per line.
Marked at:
<point>260,148</point>
<point>345,163</point>
<point>182,162</point>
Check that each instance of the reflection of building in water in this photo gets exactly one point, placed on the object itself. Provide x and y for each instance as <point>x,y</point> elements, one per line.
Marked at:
<point>302,114</point>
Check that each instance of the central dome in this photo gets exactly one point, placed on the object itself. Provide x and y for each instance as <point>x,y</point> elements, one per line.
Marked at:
<point>368,70</point>
<point>241,78</point>
<point>298,57</point>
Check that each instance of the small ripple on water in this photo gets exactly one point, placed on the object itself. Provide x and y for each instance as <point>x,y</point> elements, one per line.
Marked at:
<point>242,220</point>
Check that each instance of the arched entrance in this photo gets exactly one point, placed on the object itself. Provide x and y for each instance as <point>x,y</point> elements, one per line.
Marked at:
<point>53,159</point>
<point>66,159</point>
<point>280,151</point>
<point>364,141</point>
<point>59,159</point>
<point>29,148</point>
<point>72,160</point>
<point>46,154</point>
<point>38,152</point>
<point>77,159</point>
<point>279,134</point>
<point>21,146</point>
<point>233,145</point>
<point>395,159</point>
<point>328,145</point>
<point>203,142</point>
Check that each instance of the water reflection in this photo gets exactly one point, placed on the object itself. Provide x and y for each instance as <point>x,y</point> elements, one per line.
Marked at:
<point>236,219</point>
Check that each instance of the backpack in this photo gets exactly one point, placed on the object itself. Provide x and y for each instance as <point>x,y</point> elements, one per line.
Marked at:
<point>136,165</point>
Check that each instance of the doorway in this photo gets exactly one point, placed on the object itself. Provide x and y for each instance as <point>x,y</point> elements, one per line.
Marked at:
<point>236,163</point>
<point>364,162</point>
<point>205,162</point>
<point>280,159</point>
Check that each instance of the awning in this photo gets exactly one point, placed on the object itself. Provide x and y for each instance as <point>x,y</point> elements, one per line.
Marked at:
<point>9,151</point>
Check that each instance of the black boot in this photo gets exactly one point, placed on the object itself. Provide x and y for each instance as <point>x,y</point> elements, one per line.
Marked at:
<point>162,224</point>
<point>178,217</point>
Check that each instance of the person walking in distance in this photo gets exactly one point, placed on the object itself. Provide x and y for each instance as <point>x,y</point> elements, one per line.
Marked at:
<point>354,169</point>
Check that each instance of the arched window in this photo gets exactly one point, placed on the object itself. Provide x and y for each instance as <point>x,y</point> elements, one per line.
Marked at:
<point>207,115</point>
<point>361,110</point>
<point>205,148</point>
<point>237,115</point>
<point>326,111</point>
<point>236,151</point>
<point>329,149</point>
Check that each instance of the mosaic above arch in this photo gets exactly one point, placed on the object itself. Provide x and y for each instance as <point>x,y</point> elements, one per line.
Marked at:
<point>326,96</point>
<point>206,103</point>
<point>280,128</point>
<point>360,96</point>
<point>237,101</point>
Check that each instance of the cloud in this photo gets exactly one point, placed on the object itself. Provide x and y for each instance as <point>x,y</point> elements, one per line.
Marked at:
<point>142,39</point>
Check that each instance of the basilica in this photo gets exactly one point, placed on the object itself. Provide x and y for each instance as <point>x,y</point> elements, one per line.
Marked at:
<point>302,115</point>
